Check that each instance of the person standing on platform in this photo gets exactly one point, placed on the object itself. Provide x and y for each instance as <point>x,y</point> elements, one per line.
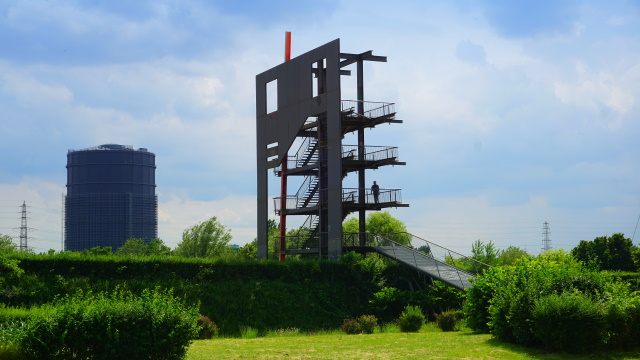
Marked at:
<point>375,189</point>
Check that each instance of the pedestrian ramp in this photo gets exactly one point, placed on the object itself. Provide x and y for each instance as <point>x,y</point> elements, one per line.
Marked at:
<point>428,264</point>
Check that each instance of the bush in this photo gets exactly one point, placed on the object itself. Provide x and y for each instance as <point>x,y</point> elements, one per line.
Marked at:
<point>207,329</point>
<point>154,325</point>
<point>623,317</point>
<point>388,303</point>
<point>10,335</point>
<point>531,279</point>
<point>411,319</point>
<point>569,321</point>
<point>476,304</point>
<point>248,332</point>
<point>10,315</point>
<point>447,321</point>
<point>363,324</point>
<point>503,298</point>
<point>351,326</point>
<point>368,323</point>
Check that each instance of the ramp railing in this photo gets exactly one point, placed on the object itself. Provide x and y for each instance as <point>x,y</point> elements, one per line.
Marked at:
<point>437,269</point>
<point>444,254</point>
<point>431,249</point>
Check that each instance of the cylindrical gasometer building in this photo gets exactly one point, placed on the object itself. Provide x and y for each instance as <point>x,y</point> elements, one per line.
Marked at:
<point>111,197</point>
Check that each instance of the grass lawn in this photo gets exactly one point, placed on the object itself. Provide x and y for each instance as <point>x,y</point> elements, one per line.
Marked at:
<point>430,343</point>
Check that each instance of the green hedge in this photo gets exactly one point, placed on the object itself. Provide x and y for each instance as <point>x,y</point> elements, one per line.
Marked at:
<point>308,295</point>
<point>154,325</point>
<point>264,295</point>
<point>116,267</point>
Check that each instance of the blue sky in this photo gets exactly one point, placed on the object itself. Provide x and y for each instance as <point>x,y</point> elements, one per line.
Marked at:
<point>516,113</point>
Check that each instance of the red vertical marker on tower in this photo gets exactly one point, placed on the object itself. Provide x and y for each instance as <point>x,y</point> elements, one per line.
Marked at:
<point>287,46</point>
<point>283,176</point>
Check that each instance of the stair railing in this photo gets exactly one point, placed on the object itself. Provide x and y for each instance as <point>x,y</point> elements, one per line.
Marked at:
<point>310,224</point>
<point>305,193</point>
<point>301,157</point>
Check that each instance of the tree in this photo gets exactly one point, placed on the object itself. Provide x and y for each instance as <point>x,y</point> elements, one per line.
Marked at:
<point>636,257</point>
<point>133,247</point>
<point>425,249</point>
<point>137,247</point>
<point>94,251</point>
<point>613,252</point>
<point>7,245</point>
<point>206,239</point>
<point>486,253</point>
<point>510,255</point>
<point>249,251</point>
<point>380,222</point>
<point>8,267</point>
<point>157,247</point>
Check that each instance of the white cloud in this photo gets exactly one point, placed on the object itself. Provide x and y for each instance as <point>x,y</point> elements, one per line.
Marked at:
<point>28,91</point>
<point>237,213</point>
<point>594,90</point>
<point>470,52</point>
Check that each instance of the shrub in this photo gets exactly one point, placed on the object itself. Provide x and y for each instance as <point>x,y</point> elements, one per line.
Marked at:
<point>207,329</point>
<point>411,319</point>
<point>14,315</point>
<point>154,325</point>
<point>447,321</point>
<point>623,317</point>
<point>368,323</point>
<point>531,279</point>
<point>476,304</point>
<point>363,324</point>
<point>248,332</point>
<point>10,335</point>
<point>351,326</point>
<point>503,298</point>
<point>569,321</point>
<point>387,303</point>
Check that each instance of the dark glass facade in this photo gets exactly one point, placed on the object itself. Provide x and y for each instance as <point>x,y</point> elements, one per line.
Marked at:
<point>110,197</point>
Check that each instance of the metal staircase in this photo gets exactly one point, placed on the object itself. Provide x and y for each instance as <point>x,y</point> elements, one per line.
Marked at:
<point>305,162</point>
<point>306,153</point>
<point>307,194</point>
